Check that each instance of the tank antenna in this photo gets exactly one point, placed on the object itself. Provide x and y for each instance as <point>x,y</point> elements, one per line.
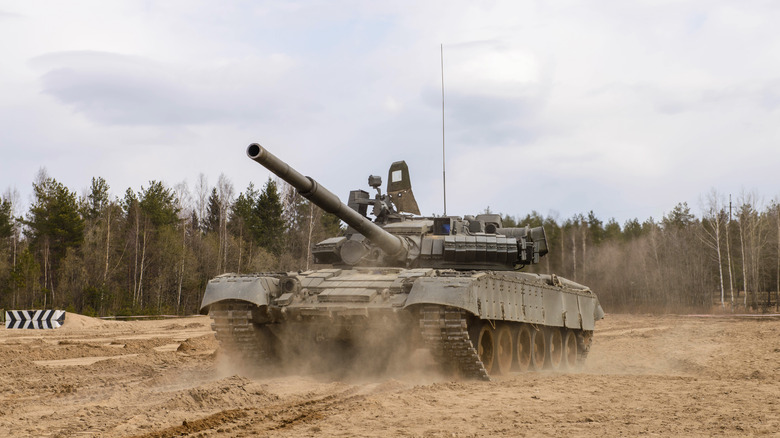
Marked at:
<point>443,168</point>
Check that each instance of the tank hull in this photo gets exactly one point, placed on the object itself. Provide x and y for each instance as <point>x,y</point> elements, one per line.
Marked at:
<point>479,323</point>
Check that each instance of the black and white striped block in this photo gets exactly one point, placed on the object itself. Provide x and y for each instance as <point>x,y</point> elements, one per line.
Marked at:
<point>34,319</point>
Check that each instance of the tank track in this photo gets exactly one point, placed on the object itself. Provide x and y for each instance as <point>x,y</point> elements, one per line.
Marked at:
<point>445,332</point>
<point>237,334</point>
<point>584,341</point>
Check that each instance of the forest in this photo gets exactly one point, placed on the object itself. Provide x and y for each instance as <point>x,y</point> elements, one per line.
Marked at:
<point>152,251</point>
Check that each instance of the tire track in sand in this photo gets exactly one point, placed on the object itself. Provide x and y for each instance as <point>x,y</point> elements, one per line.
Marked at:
<point>265,419</point>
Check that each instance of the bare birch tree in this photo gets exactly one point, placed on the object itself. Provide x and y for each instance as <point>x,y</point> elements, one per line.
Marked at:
<point>184,204</point>
<point>201,198</point>
<point>225,192</point>
<point>752,239</point>
<point>711,225</point>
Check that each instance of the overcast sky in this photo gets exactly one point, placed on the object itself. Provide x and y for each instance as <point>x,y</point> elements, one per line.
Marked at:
<point>623,108</point>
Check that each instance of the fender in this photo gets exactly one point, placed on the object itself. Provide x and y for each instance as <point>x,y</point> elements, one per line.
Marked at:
<point>516,297</point>
<point>251,288</point>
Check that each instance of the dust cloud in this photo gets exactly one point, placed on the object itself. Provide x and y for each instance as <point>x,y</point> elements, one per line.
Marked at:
<point>351,353</point>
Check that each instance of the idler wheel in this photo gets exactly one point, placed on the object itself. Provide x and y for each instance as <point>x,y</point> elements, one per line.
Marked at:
<point>504,349</point>
<point>570,350</point>
<point>554,348</point>
<point>538,348</point>
<point>486,347</point>
<point>524,347</point>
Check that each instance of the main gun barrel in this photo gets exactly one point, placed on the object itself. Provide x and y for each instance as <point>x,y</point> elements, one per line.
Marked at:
<point>323,198</point>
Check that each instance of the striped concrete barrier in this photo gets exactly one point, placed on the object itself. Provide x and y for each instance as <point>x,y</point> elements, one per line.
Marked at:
<point>34,319</point>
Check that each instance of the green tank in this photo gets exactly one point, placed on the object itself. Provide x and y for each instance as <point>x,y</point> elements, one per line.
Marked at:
<point>402,282</point>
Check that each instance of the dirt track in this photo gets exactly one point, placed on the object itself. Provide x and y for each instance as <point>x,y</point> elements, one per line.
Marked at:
<point>646,375</point>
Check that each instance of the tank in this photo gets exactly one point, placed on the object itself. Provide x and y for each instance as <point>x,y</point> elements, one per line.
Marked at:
<point>400,282</point>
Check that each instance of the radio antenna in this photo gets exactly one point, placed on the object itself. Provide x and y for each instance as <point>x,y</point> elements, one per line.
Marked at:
<point>443,167</point>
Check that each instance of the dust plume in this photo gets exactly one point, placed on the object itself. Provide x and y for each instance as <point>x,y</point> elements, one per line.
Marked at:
<point>351,351</point>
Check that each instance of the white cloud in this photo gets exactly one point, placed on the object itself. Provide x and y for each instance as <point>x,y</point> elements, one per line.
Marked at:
<point>118,89</point>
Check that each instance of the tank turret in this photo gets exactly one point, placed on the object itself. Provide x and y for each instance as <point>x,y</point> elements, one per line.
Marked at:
<point>397,239</point>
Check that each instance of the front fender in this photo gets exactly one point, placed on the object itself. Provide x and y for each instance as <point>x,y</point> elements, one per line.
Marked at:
<point>252,288</point>
<point>453,292</point>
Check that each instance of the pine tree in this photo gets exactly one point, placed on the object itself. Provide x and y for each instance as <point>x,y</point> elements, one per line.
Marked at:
<point>612,231</point>
<point>242,223</point>
<point>6,231</point>
<point>680,217</point>
<point>595,228</point>
<point>100,216</point>
<point>632,229</point>
<point>213,212</point>
<point>158,204</point>
<point>53,226</point>
<point>6,221</point>
<point>331,224</point>
<point>97,199</point>
<point>270,227</point>
<point>159,212</point>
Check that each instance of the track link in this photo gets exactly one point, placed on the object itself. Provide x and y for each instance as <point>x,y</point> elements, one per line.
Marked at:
<point>445,332</point>
<point>238,335</point>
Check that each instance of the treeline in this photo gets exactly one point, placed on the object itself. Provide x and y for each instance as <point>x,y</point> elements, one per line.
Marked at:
<point>729,257</point>
<point>152,251</point>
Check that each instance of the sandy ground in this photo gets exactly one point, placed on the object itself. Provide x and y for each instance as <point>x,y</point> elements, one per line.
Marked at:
<point>646,375</point>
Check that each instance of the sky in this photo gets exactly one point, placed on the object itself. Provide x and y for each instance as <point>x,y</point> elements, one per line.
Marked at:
<point>561,107</point>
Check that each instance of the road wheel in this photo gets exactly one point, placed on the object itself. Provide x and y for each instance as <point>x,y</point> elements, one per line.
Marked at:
<point>504,349</point>
<point>570,350</point>
<point>524,347</point>
<point>486,347</point>
<point>538,348</point>
<point>554,348</point>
